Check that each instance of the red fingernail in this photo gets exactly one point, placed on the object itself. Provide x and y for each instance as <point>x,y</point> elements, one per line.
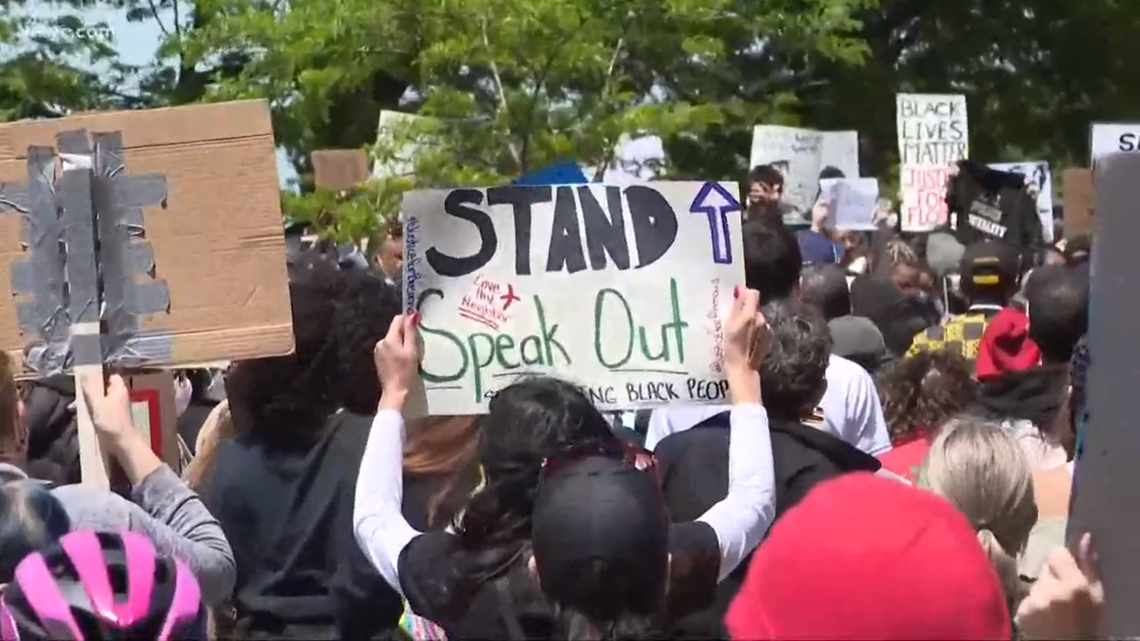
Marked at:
<point>415,319</point>
<point>736,292</point>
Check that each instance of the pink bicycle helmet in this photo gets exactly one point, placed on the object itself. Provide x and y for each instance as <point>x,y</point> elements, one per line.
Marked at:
<point>101,586</point>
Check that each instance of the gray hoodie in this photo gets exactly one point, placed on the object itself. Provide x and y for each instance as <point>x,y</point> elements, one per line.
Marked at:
<point>167,511</point>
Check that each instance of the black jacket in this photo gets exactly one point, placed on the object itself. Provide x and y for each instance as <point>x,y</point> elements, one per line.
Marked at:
<point>288,517</point>
<point>987,203</point>
<point>1035,395</point>
<point>53,435</point>
<point>694,477</point>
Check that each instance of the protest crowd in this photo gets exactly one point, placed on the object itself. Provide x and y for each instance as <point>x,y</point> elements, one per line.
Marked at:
<point>893,460</point>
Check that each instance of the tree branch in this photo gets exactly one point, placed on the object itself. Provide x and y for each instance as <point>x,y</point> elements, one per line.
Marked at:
<point>177,27</point>
<point>611,149</point>
<point>502,96</point>
<point>154,12</point>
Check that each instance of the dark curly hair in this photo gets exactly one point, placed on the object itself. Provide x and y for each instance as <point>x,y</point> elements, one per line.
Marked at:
<point>925,390</point>
<point>338,316</point>
<point>794,370</point>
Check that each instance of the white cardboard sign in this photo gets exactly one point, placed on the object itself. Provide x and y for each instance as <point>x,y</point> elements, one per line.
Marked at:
<point>1113,138</point>
<point>933,134</point>
<point>801,154</point>
<point>852,201</point>
<point>623,290</point>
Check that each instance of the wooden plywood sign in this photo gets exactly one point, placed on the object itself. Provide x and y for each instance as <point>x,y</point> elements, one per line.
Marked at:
<point>1079,201</point>
<point>339,169</point>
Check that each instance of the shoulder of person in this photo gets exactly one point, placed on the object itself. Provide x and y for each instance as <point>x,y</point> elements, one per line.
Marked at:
<point>92,508</point>
<point>712,430</point>
<point>846,374</point>
<point>426,569</point>
<point>845,369</point>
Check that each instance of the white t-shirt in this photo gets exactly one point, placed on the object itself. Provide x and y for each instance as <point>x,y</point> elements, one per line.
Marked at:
<point>851,411</point>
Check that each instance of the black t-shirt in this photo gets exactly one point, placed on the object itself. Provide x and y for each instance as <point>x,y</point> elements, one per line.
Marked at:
<point>429,576</point>
<point>288,518</point>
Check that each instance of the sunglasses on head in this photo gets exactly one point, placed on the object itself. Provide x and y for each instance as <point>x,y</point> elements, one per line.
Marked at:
<point>638,457</point>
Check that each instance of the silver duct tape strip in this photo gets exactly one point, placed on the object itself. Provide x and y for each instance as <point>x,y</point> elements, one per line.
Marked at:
<point>143,349</point>
<point>39,278</point>
<point>74,191</point>
<point>126,264</point>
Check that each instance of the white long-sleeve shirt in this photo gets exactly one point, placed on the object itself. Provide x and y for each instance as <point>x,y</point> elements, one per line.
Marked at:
<point>739,521</point>
<point>850,405</point>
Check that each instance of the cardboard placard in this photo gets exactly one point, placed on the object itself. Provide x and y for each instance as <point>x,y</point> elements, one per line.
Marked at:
<point>1079,200</point>
<point>800,154</point>
<point>623,291</point>
<point>212,247</point>
<point>339,169</point>
<point>1105,502</point>
<point>933,133</point>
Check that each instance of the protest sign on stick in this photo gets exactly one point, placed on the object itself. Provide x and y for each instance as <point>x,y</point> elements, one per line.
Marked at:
<point>933,134</point>
<point>109,266</point>
<point>339,169</point>
<point>1105,502</point>
<point>621,290</point>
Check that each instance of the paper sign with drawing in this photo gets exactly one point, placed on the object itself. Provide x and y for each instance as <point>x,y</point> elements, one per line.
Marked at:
<point>852,201</point>
<point>622,290</point>
<point>933,135</point>
<point>801,154</point>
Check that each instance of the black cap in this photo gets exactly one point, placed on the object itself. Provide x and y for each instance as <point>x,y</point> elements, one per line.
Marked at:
<point>600,535</point>
<point>990,264</point>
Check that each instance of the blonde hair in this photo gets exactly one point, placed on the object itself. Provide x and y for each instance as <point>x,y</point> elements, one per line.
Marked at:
<point>981,470</point>
<point>898,251</point>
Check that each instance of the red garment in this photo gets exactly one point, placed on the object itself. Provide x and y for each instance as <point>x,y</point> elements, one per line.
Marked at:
<point>866,557</point>
<point>1006,346</point>
<point>906,455</point>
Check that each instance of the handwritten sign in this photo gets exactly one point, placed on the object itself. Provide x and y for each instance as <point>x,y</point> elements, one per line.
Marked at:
<point>801,154</point>
<point>1113,138</point>
<point>1040,181</point>
<point>841,151</point>
<point>933,134</point>
<point>853,201</point>
<point>623,290</point>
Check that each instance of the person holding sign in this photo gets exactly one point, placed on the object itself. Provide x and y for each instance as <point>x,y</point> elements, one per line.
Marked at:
<point>159,504</point>
<point>607,564</point>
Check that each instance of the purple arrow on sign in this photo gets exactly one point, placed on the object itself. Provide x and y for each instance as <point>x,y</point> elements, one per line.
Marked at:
<point>717,203</point>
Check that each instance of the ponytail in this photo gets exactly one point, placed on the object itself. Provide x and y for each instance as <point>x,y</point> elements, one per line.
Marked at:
<point>574,625</point>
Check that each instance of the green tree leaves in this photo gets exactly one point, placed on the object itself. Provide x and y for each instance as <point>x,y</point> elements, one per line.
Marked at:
<point>509,87</point>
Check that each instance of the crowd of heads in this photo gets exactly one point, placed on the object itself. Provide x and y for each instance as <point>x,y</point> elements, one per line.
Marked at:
<point>529,482</point>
